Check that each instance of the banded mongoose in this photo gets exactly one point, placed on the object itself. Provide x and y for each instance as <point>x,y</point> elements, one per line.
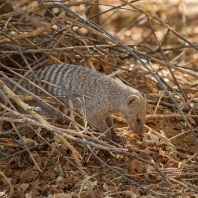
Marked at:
<point>101,95</point>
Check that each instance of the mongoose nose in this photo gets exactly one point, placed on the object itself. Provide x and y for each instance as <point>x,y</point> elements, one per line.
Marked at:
<point>141,137</point>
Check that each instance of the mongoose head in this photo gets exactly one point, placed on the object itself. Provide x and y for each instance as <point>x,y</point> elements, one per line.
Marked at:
<point>135,112</point>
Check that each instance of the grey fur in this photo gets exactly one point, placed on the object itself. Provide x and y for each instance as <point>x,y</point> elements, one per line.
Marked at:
<point>101,95</point>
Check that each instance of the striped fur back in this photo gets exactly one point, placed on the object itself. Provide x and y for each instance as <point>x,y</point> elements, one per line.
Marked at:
<point>64,80</point>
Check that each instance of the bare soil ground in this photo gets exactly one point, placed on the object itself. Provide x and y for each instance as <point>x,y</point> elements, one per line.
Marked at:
<point>176,156</point>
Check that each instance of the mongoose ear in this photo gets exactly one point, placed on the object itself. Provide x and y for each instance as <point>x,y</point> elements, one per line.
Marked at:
<point>132,99</point>
<point>143,95</point>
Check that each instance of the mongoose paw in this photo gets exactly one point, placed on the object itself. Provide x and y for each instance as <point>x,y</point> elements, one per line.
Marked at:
<point>119,139</point>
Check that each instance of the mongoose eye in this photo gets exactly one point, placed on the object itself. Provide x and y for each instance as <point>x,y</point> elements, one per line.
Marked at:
<point>138,120</point>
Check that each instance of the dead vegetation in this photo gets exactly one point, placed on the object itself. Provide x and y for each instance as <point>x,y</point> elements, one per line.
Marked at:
<point>151,47</point>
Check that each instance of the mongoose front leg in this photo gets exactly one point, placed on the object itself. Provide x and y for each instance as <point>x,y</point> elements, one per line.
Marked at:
<point>109,122</point>
<point>103,127</point>
<point>100,124</point>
